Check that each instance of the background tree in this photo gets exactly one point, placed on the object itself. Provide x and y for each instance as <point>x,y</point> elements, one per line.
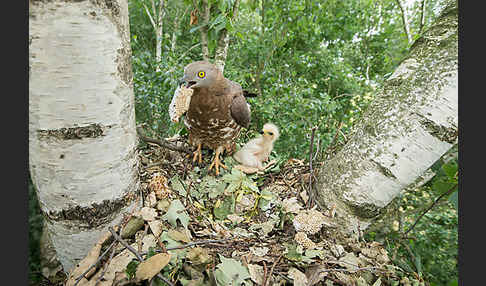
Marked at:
<point>82,139</point>
<point>406,129</point>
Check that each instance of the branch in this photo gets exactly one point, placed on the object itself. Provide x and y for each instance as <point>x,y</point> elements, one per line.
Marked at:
<point>94,264</point>
<point>311,194</point>
<point>450,191</point>
<point>405,21</point>
<point>162,143</point>
<point>150,16</point>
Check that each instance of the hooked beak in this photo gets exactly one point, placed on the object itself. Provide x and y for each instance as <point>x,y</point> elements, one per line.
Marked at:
<point>186,83</point>
<point>181,81</point>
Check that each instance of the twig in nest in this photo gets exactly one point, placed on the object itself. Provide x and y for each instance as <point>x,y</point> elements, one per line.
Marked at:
<point>191,244</point>
<point>264,274</point>
<point>162,143</point>
<point>139,257</point>
<point>95,263</point>
<point>310,201</point>
<point>271,270</point>
<point>430,207</point>
<point>106,266</point>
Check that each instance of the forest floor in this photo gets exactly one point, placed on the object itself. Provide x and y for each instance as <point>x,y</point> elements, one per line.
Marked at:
<point>191,227</point>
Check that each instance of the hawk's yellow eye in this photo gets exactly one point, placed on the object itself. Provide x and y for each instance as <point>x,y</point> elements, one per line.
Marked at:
<point>201,74</point>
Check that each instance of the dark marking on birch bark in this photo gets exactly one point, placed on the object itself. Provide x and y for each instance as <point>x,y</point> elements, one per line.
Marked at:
<point>440,132</point>
<point>384,170</point>
<point>73,133</point>
<point>94,215</point>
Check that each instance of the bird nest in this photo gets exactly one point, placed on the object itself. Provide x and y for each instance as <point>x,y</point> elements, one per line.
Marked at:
<point>194,228</point>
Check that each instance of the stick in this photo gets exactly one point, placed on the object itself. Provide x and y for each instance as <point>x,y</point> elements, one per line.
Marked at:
<point>94,264</point>
<point>271,269</point>
<point>430,207</point>
<point>190,244</point>
<point>106,266</point>
<point>311,194</point>
<point>162,143</point>
<point>139,257</point>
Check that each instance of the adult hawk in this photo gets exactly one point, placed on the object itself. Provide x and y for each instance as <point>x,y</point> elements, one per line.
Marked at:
<point>217,111</point>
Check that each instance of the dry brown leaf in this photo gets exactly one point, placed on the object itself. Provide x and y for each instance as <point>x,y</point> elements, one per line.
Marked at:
<point>246,169</point>
<point>299,278</point>
<point>315,274</point>
<point>177,235</point>
<point>148,214</point>
<point>156,227</point>
<point>193,20</point>
<point>152,266</point>
<point>199,256</point>
<point>84,264</point>
<point>256,273</point>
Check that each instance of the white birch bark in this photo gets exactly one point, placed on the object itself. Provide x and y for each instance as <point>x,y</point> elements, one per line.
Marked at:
<point>158,28</point>
<point>82,138</point>
<point>410,125</point>
<point>223,42</point>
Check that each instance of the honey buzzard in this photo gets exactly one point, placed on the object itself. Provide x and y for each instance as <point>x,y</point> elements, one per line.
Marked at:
<point>217,111</point>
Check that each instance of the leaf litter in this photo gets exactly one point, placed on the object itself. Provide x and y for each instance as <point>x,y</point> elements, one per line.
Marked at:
<point>235,229</point>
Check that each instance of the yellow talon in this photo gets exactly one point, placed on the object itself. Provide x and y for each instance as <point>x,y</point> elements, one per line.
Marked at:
<point>197,155</point>
<point>216,162</point>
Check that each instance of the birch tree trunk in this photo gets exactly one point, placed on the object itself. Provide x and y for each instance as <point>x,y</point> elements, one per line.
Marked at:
<point>223,41</point>
<point>410,125</point>
<point>206,7</point>
<point>82,138</point>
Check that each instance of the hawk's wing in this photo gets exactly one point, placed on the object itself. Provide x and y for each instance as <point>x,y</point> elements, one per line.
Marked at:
<point>240,110</point>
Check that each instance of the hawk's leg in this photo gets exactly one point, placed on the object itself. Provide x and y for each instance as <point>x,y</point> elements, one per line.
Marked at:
<point>216,162</point>
<point>197,154</point>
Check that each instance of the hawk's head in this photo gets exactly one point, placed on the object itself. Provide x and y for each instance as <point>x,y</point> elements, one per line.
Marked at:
<point>200,74</point>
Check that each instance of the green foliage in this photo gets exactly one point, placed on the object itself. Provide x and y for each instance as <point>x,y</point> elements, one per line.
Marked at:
<point>431,250</point>
<point>35,233</point>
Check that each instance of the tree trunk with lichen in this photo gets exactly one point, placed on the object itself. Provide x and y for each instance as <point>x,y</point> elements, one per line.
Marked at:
<point>410,125</point>
<point>223,42</point>
<point>82,138</point>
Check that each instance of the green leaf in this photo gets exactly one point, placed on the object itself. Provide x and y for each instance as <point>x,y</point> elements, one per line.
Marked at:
<point>226,207</point>
<point>132,268</point>
<point>176,212</point>
<point>230,272</point>
<point>176,185</point>
<point>292,253</point>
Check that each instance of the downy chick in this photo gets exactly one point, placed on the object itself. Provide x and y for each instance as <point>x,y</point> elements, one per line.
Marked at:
<point>258,150</point>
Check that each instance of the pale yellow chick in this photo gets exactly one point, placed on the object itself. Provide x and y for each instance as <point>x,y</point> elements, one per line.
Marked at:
<point>258,150</point>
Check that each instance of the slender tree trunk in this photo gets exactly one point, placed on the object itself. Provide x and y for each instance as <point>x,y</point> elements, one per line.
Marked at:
<point>223,41</point>
<point>158,28</point>
<point>206,6</point>
<point>410,125</point>
<point>423,12</point>
<point>159,33</point>
<point>406,25</point>
<point>82,138</point>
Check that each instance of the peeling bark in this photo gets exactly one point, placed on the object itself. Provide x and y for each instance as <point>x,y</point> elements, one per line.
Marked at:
<point>410,125</point>
<point>82,137</point>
